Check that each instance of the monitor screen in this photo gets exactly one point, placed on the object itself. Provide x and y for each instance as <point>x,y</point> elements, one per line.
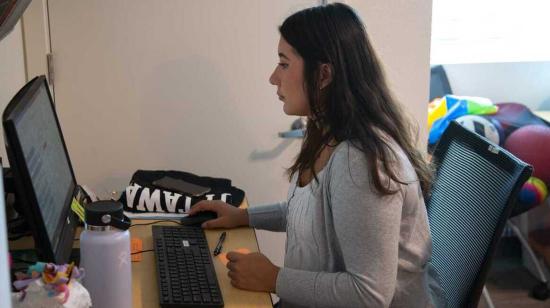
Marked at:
<point>44,153</point>
<point>41,165</point>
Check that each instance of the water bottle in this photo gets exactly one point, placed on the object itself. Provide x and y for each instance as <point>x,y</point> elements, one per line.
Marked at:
<point>105,255</point>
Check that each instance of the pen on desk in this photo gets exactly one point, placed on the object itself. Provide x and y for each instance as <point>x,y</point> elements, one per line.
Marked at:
<point>218,248</point>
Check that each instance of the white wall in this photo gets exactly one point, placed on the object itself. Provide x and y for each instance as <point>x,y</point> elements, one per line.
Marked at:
<point>36,39</point>
<point>400,31</point>
<point>12,72</point>
<point>12,77</point>
<point>522,82</point>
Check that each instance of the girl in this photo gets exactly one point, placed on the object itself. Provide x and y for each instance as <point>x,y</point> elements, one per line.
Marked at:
<point>355,218</point>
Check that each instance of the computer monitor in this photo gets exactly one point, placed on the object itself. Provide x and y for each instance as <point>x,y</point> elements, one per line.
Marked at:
<point>43,175</point>
<point>5,288</point>
<point>10,12</point>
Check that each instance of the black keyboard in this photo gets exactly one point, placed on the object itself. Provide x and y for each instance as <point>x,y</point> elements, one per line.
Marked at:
<point>185,273</point>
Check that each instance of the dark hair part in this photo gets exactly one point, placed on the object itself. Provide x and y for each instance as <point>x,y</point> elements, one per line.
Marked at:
<point>357,105</point>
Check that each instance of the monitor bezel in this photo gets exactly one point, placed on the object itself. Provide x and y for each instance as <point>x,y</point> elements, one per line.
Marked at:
<point>11,16</point>
<point>26,196</point>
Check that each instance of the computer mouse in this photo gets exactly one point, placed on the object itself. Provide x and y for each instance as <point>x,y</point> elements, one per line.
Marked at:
<point>198,219</point>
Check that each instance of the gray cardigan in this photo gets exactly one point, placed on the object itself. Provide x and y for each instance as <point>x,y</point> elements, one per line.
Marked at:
<point>347,246</point>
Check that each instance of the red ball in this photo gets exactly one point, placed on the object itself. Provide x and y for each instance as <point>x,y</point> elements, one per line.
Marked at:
<point>531,144</point>
<point>529,195</point>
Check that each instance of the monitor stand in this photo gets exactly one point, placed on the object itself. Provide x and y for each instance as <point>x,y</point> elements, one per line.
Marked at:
<point>23,258</point>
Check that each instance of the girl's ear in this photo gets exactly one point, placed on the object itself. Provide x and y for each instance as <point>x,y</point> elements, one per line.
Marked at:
<point>325,75</point>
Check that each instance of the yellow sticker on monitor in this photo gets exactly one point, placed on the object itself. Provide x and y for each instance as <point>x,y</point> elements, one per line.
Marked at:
<point>78,209</point>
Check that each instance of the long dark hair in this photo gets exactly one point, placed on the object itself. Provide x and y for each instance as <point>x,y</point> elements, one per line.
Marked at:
<point>357,105</point>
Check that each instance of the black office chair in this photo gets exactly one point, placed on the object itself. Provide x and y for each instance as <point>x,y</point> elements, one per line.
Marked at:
<point>439,83</point>
<point>473,193</point>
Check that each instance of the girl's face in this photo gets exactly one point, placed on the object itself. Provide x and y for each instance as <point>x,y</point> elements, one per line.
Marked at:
<point>289,79</point>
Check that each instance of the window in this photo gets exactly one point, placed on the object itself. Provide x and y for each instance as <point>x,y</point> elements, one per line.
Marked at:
<point>477,31</point>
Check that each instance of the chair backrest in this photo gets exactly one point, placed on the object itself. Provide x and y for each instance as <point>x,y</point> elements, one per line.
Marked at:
<point>473,193</point>
<point>439,83</point>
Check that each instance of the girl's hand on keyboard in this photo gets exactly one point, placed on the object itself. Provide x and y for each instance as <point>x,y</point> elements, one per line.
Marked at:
<point>228,215</point>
